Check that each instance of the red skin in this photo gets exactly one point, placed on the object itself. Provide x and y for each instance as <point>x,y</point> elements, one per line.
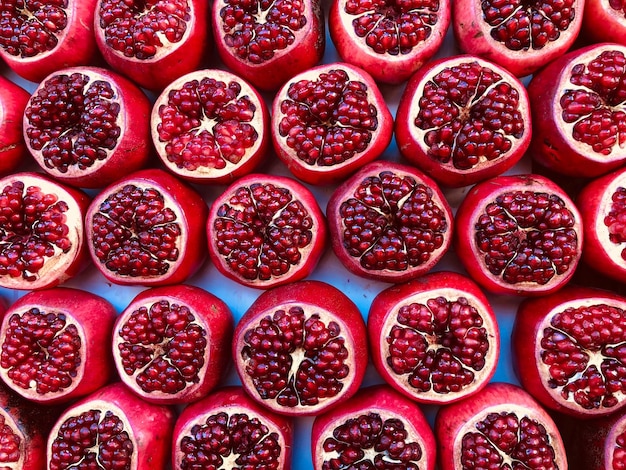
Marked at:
<point>13,101</point>
<point>601,23</point>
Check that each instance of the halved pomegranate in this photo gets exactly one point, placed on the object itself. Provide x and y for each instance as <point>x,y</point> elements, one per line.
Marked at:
<point>377,428</point>
<point>172,344</point>
<point>267,43</point>
<point>501,427</point>
<point>388,39</point>
<point>152,42</point>
<point>577,105</point>
<point>519,234</point>
<point>435,339</point>
<point>210,126</point>
<point>86,126</point>
<point>604,21</point>
<point>111,428</point>
<point>42,240</point>
<point>462,120</point>
<point>329,121</point>
<point>389,222</point>
<point>147,229</point>
<point>40,37</point>
<point>520,36</point>
<point>301,349</point>
<point>54,344</point>
<point>13,99</point>
<point>266,230</point>
<point>228,430</point>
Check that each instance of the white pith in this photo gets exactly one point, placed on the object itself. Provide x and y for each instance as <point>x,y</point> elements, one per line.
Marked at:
<point>15,429</point>
<point>613,250</point>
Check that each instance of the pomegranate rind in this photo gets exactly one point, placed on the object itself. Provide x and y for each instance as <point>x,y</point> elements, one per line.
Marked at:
<point>232,400</point>
<point>444,284</point>
<point>13,99</point>
<point>231,171</point>
<point>314,297</point>
<point>411,139</point>
<point>387,403</point>
<point>602,23</point>
<point>210,313</point>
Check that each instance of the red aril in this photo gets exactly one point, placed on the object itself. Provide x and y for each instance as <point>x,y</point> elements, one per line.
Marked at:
<point>604,21</point>
<point>13,99</point>
<point>462,120</point>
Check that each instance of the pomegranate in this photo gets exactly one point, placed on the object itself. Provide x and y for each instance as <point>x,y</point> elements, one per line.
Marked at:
<point>210,126</point>
<point>13,99</point>
<point>520,36</point>
<point>42,240</point>
<point>389,222</point>
<point>85,126</point>
<point>577,111</point>
<point>500,427</point>
<point>111,428</point>
<point>152,42</point>
<point>329,121</point>
<point>377,428</point>
<point>266,230</point>
<point>604,21</point>
<point>228,430</point>
<point>519,234</point>
<point>267,43</point>
<point>40,37</point>
<point>147,229</point>
<point>301,349</point>
<point>54,344</point>
<point>435,339</point>
<point>172,344</point>
<point>462,120</point>
<point>388,39</point>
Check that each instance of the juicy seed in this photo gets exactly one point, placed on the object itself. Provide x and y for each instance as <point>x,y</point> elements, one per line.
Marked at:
<point>10,443</point>
<point>615,219</point>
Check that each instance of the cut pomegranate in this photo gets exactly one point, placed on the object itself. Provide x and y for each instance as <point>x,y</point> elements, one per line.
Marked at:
<point>86,126</point>
<point>13,99</point>
<point>264,231</point>
<point>172,343</point>
<point>462,120</point>
<point>377,428</point>
<point>389,222</point>
<point>152,42</point>
<point>301,349</point>
<point>267,43</point>
<point>41,232</point>
<point>228,430</point>
<point>388,39</point>
<point>147,229</point>
<point>520,36</point>
<point>435,339</point>
<point>110,429</point>
<point>604,21</point>
<point>519,234</point>
<point>501,427</point>
<point>210,126</point>
<point>54,344</point>
<point>577,110</point>
<point>329,121</point>
<point>40,37</point>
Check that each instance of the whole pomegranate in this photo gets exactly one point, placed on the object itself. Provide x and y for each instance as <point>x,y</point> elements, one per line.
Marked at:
<point>13,99</point>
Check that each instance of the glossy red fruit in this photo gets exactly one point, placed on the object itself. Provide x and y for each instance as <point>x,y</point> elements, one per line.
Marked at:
<point>266,230</point>
<point>435,339</point>
<point>390,40</point>
<point>54,344</point>
<point>172,344</point>
<point>389,222</point>
<point>267,43</point>
<point>147,229</point>
<point>576,110</point>
<point>301,349</point>
<point>86,126</point>
<point>329,121</point>
<point>152,42</point>
<point>40,37</point>
<point>521,37</point>
<point>13,99</point>
<point>500,427</point>
<point>210,126</point>
<point>604,21</point>
<point>377,428</point>
<point>111,428</point>
<point>462,120</point>
<point>228,429</point>
<point>519,234</point>
<point>42,229</point>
